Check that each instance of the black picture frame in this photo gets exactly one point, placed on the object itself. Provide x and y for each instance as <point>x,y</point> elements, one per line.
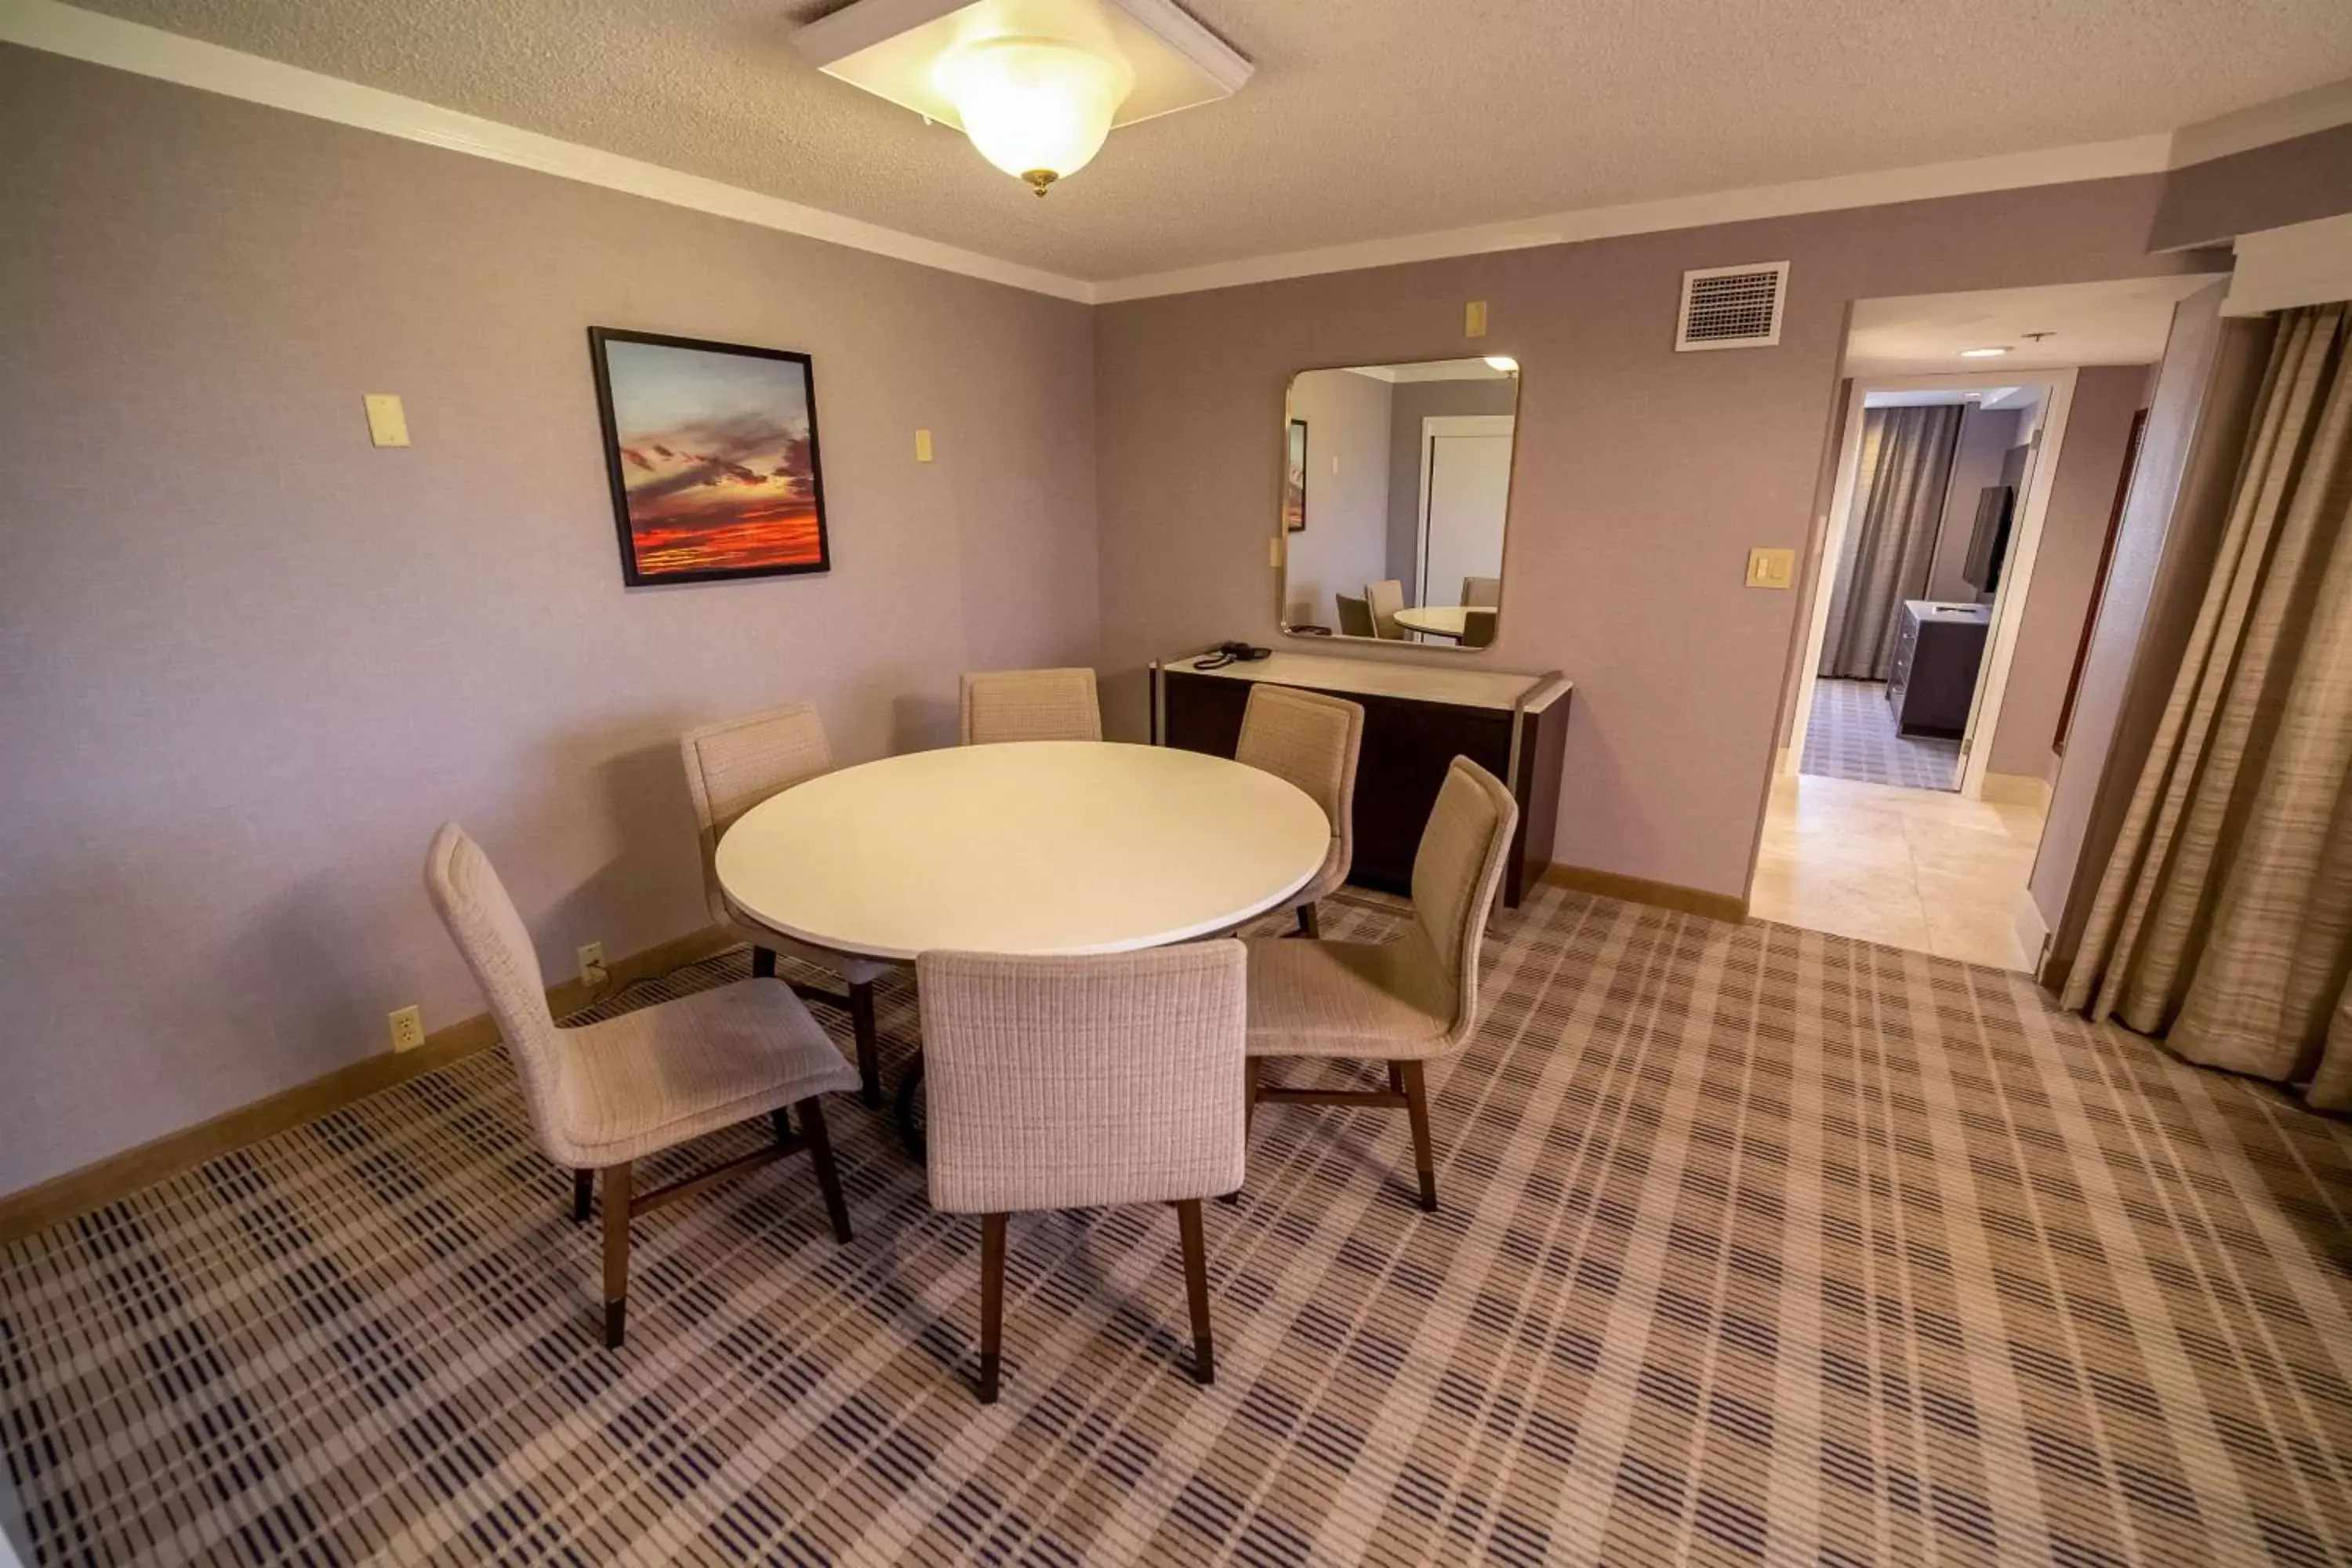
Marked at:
<point>617,457</point>
<point>1294,478</point>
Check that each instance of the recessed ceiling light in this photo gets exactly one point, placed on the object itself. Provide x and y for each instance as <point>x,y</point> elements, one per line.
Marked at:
<point>1983,354</point>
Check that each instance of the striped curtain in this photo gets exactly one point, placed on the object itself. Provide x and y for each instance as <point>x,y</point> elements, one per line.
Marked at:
<point>2224,921</point>
<point>1907,464</point>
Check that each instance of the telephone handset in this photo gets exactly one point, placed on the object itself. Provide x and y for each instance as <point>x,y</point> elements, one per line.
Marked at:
<point>1228,653</point>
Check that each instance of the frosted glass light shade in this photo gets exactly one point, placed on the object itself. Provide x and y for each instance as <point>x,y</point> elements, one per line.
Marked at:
<point>1036,108</point>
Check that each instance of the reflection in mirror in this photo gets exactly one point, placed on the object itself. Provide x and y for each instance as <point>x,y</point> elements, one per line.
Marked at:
<point>1396,485</point>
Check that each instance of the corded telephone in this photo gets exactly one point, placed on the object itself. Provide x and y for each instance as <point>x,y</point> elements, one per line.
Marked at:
<point>1228,653</point>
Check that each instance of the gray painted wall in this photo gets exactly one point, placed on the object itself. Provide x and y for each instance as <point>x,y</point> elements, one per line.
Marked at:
<point>1643,476</point>
<point>2289,182</point>
<point>1345,543</point>
<point>248,662</point>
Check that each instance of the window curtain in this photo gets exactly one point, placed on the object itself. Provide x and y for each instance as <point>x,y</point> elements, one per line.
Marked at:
<point>1907,465</point>
<point>2224,922</point>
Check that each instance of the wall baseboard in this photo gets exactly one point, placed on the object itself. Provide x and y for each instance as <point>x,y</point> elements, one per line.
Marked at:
<point>117,1176</point>
<point>1642,890</point>
<point>2019,789</point>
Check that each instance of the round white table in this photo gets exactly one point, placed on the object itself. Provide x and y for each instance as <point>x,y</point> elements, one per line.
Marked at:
<point>1437,620</point>
<point>1032,847</point>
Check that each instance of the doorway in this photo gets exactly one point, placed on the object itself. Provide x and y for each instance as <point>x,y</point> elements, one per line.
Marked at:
<point>1465,491</point>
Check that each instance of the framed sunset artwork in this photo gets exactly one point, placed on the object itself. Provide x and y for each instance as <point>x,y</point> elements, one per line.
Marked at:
<point>713,456</point>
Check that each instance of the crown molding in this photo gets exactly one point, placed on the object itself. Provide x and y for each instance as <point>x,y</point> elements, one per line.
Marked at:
<point>2050,166</point>
<point>2322,108</point>
<point>58,28</point>
<point>63,29</point>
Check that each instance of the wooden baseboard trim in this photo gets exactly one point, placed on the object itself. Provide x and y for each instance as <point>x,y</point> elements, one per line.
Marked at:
<point>1642,890</point>
<point>117,1176</point>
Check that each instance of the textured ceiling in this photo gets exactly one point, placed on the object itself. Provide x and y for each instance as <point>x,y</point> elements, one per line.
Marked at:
<point>1367,118</point>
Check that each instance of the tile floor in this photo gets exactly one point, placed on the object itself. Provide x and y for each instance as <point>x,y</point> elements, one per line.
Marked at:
<point>1930,872</point>
<point>1852,736</point>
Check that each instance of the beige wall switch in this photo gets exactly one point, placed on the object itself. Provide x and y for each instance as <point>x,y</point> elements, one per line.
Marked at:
<point>1771,568</point>
<point>922,446</point>
<point>387,421</point>
<point>1473,319</point>
<point>1274,552</point>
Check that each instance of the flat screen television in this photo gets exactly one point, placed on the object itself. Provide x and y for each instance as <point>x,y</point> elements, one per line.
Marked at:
<point>1989,542</point>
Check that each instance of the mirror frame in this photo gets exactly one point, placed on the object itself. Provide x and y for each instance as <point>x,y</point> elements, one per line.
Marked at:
<point>1281,541</point>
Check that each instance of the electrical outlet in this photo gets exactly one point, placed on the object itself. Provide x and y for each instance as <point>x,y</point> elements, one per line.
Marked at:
<point>407,1029</point>
<point>592,965</point>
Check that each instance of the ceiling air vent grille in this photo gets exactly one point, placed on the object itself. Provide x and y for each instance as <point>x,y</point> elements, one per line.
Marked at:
<point>1732,307</point>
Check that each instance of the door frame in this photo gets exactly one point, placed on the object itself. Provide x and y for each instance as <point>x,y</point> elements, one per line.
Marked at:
<point>2016,576</point>
<point>1433,425</point>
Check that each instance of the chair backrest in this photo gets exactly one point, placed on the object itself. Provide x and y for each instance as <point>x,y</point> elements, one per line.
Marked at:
<point>1386,597</point>
<point>1030,705</point>
<point>1454,874</point>
<point>496,946</point>
<point>1477,627</point>
<point>1355,616</point>
<point>1486,591</point>
<point>731,767</point>
<point>1072,1082</point>
<point>1314,742</point>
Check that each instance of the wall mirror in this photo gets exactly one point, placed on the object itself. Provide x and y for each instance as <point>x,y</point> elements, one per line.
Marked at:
<point>1396,489</point>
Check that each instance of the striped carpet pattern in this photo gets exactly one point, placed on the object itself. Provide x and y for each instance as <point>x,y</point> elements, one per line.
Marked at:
<point>1756,1245</point>
<point>1852,736</point>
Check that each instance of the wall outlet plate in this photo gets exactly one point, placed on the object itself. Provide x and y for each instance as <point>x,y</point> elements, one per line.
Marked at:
<point>592,965</point>
<point>1473,319</point>
<point>387,421</point>
<point>408,1027</point>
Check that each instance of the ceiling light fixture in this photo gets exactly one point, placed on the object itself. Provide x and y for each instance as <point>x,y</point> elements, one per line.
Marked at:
<point>1983,354</point>
<point>1036,84</point>
<point>1036,108</point>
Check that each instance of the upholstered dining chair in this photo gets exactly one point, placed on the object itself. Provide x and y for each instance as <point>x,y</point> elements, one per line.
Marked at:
<point>602,1096</point>
<point>1312,742</point>
<point>1486,592</point>
<point>731,767</point>
<point>1059,1083</point>
<point>1355,616</point>
<point>1402,1002</point>
<point>1030,705</point>
<point>1386,597</point>
<point>1477,627</point>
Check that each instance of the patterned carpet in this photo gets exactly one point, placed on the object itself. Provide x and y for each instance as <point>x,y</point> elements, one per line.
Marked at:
<point>1756,1245</point>
<point>1851,736</point>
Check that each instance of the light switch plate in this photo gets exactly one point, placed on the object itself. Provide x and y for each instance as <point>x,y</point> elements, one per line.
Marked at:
<point>1473,319</point>
<point>387,421</point>
<point>922,446</point>
<point>1771,568</point>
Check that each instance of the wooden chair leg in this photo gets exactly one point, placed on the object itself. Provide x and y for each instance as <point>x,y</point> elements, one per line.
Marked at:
<point>763,963</point>
<point>1407,1077</point>
<point>1196,1290</point>
<point>584,1186</point>
<point>827,1178</point>
<point>617,1254</point>
<point>869,1046</point>
<point>991,1302</point>
<point>780,1119</point>
<point>1310,923</point>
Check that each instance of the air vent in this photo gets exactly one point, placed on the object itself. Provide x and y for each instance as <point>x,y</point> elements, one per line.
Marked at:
<point>1732,307</point>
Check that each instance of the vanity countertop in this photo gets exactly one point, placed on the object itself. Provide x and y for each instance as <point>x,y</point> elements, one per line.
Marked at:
<point>1500,688</point>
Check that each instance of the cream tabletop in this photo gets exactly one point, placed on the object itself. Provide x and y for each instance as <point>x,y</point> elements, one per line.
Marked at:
<point>1438,620</point>
<point>1038,846</point>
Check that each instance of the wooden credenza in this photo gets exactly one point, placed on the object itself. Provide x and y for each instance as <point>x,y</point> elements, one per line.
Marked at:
<point>1417,719</point>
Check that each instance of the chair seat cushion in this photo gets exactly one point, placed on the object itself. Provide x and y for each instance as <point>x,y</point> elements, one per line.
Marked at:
<point>635,1085</point>
<point>1375,1001</point>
